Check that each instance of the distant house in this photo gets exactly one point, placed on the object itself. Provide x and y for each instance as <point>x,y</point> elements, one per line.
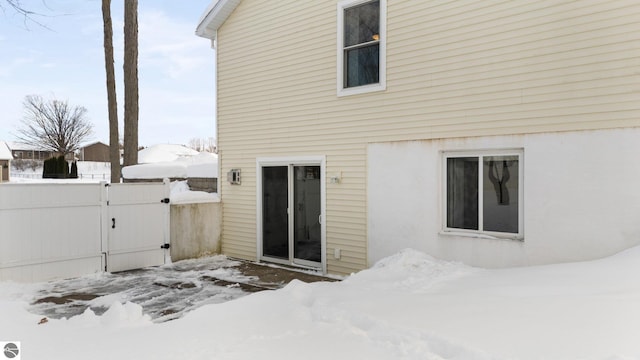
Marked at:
<point>496,133</point>
<point>22,151</point>
<point>5,161</point>
<point>96,151</point>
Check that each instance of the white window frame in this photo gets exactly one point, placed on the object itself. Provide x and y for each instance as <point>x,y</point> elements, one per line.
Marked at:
<point>480,232</point>
<point>382,76</point>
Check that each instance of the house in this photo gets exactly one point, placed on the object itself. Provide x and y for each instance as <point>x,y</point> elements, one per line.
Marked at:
<point>489,132</point>
<point>5,161</point>
<point>96,151</point>
<point>22,151</point>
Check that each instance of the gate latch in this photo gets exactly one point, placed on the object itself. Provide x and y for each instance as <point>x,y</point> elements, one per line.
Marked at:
<point>165,246</point>
<point>165,200</point>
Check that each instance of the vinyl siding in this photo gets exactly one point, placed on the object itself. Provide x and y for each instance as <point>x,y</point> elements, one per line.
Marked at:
<point>454,69</point>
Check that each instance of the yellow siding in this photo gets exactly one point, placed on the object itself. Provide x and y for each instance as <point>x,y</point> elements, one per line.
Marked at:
<point>454,69</point>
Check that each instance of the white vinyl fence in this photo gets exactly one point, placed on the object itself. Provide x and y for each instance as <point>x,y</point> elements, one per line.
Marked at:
<point>50,231</point>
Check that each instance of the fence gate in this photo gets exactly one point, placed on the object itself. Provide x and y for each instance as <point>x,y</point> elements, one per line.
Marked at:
<point>137,225</point>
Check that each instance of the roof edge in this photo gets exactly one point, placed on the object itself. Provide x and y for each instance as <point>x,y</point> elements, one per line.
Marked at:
<point>214,16</point>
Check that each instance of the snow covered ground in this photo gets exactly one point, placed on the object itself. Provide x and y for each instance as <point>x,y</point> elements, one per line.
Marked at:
<point>88,171</point>
<point>408,306</point>
<point>165,292</point>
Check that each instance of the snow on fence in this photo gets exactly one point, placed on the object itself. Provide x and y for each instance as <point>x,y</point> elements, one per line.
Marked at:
<point>50,231</point>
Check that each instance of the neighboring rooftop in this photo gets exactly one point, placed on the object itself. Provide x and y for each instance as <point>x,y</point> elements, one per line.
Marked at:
<point>5,152</point>
<point>15,145</point>
<point>93,143</point>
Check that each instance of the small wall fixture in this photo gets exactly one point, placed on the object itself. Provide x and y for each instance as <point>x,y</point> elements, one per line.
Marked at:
<point>233,176</point>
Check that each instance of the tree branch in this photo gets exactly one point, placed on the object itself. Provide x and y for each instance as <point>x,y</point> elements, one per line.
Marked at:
<point>54,125</point>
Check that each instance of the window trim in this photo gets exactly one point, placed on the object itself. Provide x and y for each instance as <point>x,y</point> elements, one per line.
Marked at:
<point>382,51</point>
<point>519,152</point>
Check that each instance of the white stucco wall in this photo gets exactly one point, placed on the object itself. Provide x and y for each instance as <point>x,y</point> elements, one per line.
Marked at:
<point>581,198</point>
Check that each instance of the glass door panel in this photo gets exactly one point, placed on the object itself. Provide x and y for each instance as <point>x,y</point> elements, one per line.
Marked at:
<point>307,231</point>
<point>275,218</point>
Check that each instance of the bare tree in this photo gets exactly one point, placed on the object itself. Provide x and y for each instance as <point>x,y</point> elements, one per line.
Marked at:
<point>211,145</point>
<point>130,82</point>
<point>54,124</point>
<point>27,14</point>
<point>112,103</point>
<point>201,144</point>
<point>196,144</point>
<point>17,6</point>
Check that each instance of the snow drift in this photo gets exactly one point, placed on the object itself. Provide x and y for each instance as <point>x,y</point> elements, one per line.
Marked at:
<point>408,306</point>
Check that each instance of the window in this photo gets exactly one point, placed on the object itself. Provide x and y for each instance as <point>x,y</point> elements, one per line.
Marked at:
<point>484,193</point>
<point>361,46</point>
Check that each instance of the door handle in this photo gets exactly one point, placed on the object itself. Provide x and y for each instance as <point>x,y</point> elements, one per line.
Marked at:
<point>113,223</point>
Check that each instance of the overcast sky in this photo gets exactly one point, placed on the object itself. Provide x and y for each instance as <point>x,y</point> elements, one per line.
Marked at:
<point>65,60</point>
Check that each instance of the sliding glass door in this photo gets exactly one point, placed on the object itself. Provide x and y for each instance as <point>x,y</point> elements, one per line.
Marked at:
<point>291,214</point>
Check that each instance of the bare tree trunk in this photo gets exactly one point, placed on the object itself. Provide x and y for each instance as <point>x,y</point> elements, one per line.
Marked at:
<point>130,82</point>
<point>114,146</point>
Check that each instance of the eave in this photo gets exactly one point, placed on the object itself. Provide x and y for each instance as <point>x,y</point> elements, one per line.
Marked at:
<point>213,18</point>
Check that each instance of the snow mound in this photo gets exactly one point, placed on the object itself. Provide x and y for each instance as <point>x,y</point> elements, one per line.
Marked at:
<point>204,165</point>
<point>413,271</point>
<point>118,315</point>
<point>203,170</point>
<point>586,310</point>
<point>155,171</point>
<point>178,187</point>
<point>127,314</point>
<point>180,194</point>
<point>164,153</point>
<point>411,260</point>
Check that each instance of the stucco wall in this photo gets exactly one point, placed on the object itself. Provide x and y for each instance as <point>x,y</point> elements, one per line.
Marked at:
<point>580,198</point>
<point>195,230</point>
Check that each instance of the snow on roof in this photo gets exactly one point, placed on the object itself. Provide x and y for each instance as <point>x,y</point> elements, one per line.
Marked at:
<point>164,153</point>
<point>15,145</point>
<point>203,165</point>
<point>93,143</point>
<point>5,153</point>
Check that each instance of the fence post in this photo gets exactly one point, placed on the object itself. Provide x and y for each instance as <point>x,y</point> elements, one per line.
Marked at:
<point>167,222</point>
<point>104,220</point>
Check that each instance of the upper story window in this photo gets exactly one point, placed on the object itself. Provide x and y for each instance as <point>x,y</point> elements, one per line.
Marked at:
<point>483,193</point>
<point>361,46</point>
